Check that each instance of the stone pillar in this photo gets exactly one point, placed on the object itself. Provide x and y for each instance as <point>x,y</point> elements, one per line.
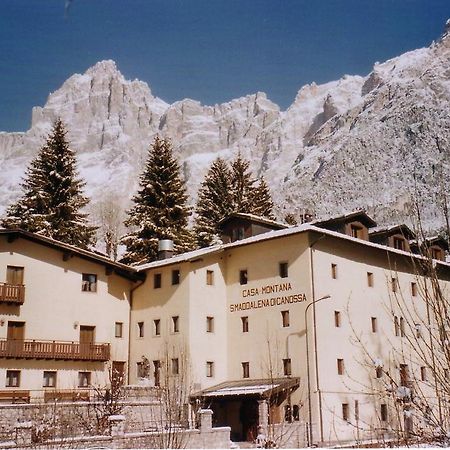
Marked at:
<point>205,420</point>
<point>23,433</point>
<point>263,416</point>
<point>117,425</point>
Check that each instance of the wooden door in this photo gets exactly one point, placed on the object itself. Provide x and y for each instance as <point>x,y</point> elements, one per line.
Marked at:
<point>16,331</point>
<point>14,275</point>
<point>118,373</point>
<point>87,339</point>
<point>15,337</point>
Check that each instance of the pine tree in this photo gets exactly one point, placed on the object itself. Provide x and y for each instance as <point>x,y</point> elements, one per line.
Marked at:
<point>225,191</point>
<point>215,201</point>
<point>262,204</point>
<point>52,195</point>
<point>160,208</point>
<point>242,185</point>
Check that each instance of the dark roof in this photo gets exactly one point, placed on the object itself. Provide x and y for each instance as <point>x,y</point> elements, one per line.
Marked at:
<point>70,250</point>
<point>394,229</point>
<point>254,218</point>
<point>359,215</point>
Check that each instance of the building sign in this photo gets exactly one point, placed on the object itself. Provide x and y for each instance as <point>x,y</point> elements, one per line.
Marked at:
<point>283,289</point>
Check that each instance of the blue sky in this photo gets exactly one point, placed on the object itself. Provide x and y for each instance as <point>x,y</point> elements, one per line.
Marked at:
<point>209,50</point>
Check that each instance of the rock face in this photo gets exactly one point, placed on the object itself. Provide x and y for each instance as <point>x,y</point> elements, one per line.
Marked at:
<point>380,142</point>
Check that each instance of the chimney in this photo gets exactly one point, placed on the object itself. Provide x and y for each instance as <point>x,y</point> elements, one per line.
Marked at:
<point>165,249</point>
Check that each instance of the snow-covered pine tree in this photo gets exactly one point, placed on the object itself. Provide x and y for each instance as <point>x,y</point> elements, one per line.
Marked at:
<point>243,185</point>
<point>262,204</point>
<point>52,195</point>
<point>160,208</point>
<point>215,201</point>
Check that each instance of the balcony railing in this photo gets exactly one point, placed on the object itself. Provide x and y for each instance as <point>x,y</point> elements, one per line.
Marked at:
<point>12,293</point>
<point>73,351</point>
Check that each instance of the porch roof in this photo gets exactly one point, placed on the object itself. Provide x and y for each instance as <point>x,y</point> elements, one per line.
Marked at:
<point>261,388</point>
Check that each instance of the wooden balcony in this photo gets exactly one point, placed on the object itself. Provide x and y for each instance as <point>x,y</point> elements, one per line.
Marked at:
<point>69,351</point>
<point>12,293</point>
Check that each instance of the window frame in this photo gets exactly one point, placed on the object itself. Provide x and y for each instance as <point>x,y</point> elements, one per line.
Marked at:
<point>157,280</point>
<point>175,324</point>
<point>84,375</point>
<point>374,324</point>
<point>243,277</point>
<point>175,364</point>
<point>86,284</point>
<point>287,367</point>
<point>53,376</point>
<point>283,269</point>
<point>245,326</point>
<point>210,369</point>
<point>340,366</point>
<point>176,277</point>
<point>285,319</point>
<point>334,273</point>
<point>156,327</point>
<point>209,277</point>
<point>337,319</point>
<point>13,377</point>
<point>245,369</point>
<point>118,329</point>
<point>370,279</point>
<point>141,329</point>
<point>210,324</point>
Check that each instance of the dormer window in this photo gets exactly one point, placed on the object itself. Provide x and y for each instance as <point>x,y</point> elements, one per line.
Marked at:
<point>436,253</point>
<point>399,243</point>
<point>356,231</point>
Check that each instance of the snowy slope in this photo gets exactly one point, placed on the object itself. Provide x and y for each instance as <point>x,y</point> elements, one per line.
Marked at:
<point>376,142</point>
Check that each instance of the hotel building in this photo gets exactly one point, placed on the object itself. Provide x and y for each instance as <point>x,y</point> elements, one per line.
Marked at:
<point>278,324</point>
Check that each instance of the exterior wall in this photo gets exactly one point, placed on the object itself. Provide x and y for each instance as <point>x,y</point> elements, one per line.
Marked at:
<point>55,307</point>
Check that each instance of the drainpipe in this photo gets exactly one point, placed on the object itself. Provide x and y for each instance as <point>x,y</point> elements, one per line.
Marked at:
<point>129,324</point>
<point>313,302</point>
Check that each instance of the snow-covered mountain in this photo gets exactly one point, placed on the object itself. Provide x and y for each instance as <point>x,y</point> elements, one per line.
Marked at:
<point>378,142</point>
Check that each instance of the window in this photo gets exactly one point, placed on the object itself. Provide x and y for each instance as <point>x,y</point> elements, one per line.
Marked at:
<point>379,372</point>
<point>244,324</point>
<point>296,412</point>
<point>245,370</point>
<point>118,330</point>
<point>374,325</point>
<point>243,278</point>
<point>209,277</point>
<point>399,243</point>
<point>285,318</point>
<point>287,413</point>
<point>345,412</point>
<point>356,410</point>
<point>84,379</point>
<point>423,373</point>
<point>340,366</point>
<point>394,284</point>
<point>287,367</point>
<point>89,282</point>
<point>157,281</point>
<point>209,369</point>
<point>446,373</point>
<point>414,289</point>
<point>175,324</point>
<point>356,231</point>
<point>396,326</point>
<point>49,379</point>
<point>141,329</point>
<point>404,375</point>
<point>14,275</point>
<point>283,268</point>
<point>334,271</point>
<point>175,277</point>
<point>175,366</point>
<point>142,369</point>
<point>157,327</point>
<point>12,378</point>
<point>370,279</point>
<point>402,327</point>
<point>418,328</point>
<point>337,319</point>
<point>384,412</point>
<point>237,234</point>
<point>436,253</point>
<point>210,324</point>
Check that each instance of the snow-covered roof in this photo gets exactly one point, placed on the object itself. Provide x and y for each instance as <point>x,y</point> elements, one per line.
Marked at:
<point>123,269</point>
<point>360,214</point>
<point>404,229</point>
<point>274,234</point>
<point>254,218</point>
